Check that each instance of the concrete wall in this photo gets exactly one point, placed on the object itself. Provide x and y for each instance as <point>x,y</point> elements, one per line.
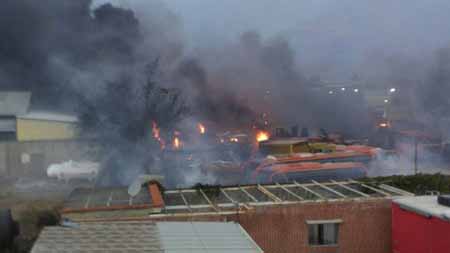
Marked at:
<point>22,159</point>
<point>31,130</point>
<point>365,227</point>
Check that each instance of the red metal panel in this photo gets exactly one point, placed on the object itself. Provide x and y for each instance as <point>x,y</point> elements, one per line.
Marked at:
<point>439,235</point>
<point>415,233</point>
<point>408,231</point>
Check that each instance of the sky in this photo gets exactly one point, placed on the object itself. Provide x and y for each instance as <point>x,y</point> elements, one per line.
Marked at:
<point>333,39</point>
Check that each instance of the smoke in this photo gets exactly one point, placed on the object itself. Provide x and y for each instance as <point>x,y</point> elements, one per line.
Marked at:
<point>60,42</point>
<point>407,161</point>
<point>90,57</point>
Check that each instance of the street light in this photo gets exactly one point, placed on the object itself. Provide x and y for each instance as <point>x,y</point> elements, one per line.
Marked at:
<point>343,89</point>
<point>386,101</point>
<point>330,92</point>
<point>356,90</point>
<point>392,90</point>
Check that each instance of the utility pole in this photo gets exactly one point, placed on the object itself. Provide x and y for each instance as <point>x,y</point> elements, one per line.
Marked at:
<point>415,155</point>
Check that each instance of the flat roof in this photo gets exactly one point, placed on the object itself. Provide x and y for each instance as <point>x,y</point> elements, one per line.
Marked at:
<point>97,204</point>
<point>424,205</point>
<point>14,103</point>
<point>49,116</point>
<point>145,236</point>
<point>289,141</point>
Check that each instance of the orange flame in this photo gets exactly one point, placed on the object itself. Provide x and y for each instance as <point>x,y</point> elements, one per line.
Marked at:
<point>262,136</point>
<point>157,136</point>
<point>176,143</point>
<point>201,128</point>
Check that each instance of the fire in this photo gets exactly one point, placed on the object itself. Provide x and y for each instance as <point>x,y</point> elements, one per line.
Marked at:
<point>176,143</point>
<point>156,135</point>
<point>262,136</point>
<point>384,125</point>
<point>201,128</point>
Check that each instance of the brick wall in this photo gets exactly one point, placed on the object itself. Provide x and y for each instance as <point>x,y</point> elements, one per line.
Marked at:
<point>365,227</point>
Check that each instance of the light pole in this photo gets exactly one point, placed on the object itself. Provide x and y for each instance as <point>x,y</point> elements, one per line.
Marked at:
<point>415,155</point>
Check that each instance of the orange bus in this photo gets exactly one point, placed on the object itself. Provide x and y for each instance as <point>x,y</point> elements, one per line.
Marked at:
<point>305,172</point>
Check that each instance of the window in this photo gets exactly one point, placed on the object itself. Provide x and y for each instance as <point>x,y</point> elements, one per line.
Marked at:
<point>323,232</point>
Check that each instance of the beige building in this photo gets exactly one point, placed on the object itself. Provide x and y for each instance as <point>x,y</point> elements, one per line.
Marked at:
<point>36,126</point>
<point>19,122</point>
<point>31,140</point>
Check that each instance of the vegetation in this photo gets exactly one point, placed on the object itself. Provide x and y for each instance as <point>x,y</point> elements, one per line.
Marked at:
<point>418,184</point>
<point>211,191</point>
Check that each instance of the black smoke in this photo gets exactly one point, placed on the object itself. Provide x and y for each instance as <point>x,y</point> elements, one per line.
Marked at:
<point>44,44</point>
<point>215,104</point>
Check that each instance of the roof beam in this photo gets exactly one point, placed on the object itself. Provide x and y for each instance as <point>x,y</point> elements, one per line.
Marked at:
<point>182,207</point>
<point>248,194</point>
<point>108,203</point>
<point>371,188</point>
<point>396,190</point>
<point>208,200</point>
<point>185,201</point>
<point>290,192</point>
<point>228,196</point>
<point>269,194</point>
<point>88,200</point>
<point>309,190</point>
<point>351,189</point>
<point>329,189</point>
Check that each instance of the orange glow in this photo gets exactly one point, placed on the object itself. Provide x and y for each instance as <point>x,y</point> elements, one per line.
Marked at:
<point>201,128</point>
<point>384,125</point>
<point>157,136</point>
<point>176,143</point>
<point>262,136</point>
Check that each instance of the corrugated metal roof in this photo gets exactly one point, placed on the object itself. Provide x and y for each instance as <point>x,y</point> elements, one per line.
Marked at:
<point>14,103</point>
<point>169,237</point>
<point>205,237</point>
<point>100,238</point>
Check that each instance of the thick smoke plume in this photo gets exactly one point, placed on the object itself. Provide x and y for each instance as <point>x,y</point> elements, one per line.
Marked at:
<point>47,46</point>
<point>93,60</point>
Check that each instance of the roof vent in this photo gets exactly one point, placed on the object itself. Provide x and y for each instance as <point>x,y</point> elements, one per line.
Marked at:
<point>444,200</point>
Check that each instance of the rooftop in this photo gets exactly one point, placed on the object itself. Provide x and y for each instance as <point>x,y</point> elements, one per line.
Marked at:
<point>85,204</point>
<point>49,116</point>
<point>288,141</point>
<point>172,237</point>
<point>425,205</point>
<point>13,103</point>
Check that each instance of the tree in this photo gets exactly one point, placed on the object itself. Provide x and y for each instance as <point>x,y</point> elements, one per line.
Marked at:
<point>120,120</point>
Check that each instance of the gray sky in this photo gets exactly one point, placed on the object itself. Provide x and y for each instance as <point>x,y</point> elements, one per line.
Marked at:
<point>331,38</point>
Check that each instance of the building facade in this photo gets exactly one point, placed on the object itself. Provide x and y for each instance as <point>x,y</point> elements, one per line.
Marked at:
<point>420,225</point>
<point>315,217</point>
<point>38,126</point>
